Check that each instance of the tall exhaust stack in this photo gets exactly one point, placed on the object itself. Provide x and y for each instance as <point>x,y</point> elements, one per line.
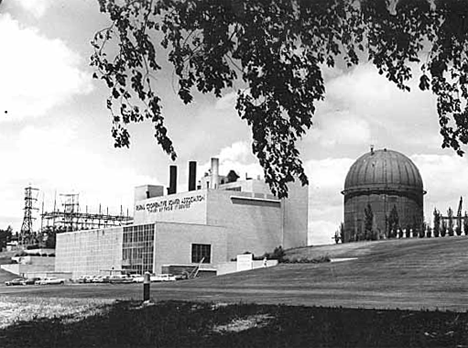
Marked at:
<point>214,173</point>
<point>192,176</point>
<point>172,180</point>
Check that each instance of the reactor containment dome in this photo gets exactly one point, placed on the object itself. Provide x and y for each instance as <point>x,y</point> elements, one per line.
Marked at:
<point>385,180</point>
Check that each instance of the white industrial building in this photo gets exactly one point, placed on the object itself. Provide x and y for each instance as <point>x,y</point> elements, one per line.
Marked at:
<point>213,222</point>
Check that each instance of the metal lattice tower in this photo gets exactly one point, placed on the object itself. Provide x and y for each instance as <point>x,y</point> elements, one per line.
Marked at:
<point>30,197</point>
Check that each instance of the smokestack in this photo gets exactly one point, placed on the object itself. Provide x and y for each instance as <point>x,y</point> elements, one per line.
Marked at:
<point>192,176</point>
<point>214,173</point>
<point>172,180</point>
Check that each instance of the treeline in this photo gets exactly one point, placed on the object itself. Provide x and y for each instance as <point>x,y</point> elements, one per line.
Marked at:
<point>448,225</point>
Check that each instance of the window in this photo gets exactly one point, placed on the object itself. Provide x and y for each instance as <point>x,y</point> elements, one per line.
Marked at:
<point>201,252</point>
<point>138,248</point>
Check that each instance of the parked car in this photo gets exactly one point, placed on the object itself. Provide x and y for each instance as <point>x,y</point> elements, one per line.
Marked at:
<point>162,278</point>
<point>84,279</point>
<point>16,281</point>
<point>100,279</point>
<point>137,278</point>
<point>50,281</point>
<point>120,279</point>
<point>30,281</point>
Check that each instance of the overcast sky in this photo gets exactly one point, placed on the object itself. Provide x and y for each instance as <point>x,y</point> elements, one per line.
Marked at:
<point>55,134</point>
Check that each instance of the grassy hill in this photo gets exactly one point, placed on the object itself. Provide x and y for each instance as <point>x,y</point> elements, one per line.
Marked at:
<point>408,273</point>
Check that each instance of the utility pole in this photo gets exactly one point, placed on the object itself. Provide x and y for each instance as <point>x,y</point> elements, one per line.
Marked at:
<point>30,197</point>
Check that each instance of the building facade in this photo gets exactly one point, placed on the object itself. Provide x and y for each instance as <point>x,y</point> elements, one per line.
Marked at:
<point>211,224</point>
<point>385,181</point>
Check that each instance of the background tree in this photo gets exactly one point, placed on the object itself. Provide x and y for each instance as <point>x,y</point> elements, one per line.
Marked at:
<point>450,222</point>
<point>342,233</point>
<point>436,214</point>
<point>232,176</point>
<point>415,227</point>
<point>369,233</point>
<point>393,222</point>
<point>272,52</point>
<point>428,231</point>
<point>422,230</point>
<point>443,228</point>
<point>5,237</point>
<point>465,224</point>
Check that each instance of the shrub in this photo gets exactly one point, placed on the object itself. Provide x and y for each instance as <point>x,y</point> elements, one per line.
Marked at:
<point>319,259</point>
<point>443,231</point>
<point>277,254</point>
<point>429,232</point>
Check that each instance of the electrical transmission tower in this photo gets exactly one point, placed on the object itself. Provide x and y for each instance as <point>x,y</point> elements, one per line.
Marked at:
<point>30,197</point>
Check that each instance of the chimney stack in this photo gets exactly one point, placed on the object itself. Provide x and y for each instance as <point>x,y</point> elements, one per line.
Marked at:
<point>192,176</point>
<point>172,180</point>
<point>214,173</point>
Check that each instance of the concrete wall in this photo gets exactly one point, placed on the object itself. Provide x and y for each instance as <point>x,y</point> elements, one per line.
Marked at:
<point>410,209</point>
<point>186,207</point>
<point>89,252</point>
<point>30,270</point>
<point>231,267</point>
<point>173,244</point>
<point>253,224</point>
<point>295,216</point>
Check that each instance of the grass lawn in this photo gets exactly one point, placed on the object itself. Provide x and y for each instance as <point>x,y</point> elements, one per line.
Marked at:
<point>188,324</point>
<point>394,293</point>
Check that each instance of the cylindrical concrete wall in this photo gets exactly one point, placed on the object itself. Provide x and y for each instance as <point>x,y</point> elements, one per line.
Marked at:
<point>382,179</point>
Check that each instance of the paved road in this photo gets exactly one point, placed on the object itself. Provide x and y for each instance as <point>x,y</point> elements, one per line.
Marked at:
<point>291,296</point>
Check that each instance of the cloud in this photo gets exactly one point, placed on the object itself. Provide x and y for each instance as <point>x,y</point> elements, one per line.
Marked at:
<point>237,157</point>
<point>238,151</point>
<point>340,128</point>
<point>36,7</point>
<point>365,103</point>
<point>444,178</point>
<point>321,232</point>
<point>228,101</point>
<point>49,158</point>
<point>37,73</point>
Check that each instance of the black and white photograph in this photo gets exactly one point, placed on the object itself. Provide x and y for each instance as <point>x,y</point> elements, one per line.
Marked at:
<point>233,173</point>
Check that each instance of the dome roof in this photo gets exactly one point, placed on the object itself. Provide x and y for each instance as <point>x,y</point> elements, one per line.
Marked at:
<point>383,170</point>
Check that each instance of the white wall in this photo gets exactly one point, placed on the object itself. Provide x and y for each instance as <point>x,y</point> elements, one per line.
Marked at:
<point>173,244</point>
<point>89,252</point>
<point>186,207</point>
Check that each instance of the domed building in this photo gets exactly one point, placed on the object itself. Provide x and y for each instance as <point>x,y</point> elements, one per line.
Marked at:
<point>390,184</point>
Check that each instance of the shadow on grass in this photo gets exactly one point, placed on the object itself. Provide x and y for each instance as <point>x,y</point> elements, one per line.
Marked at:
<point>185,324</point>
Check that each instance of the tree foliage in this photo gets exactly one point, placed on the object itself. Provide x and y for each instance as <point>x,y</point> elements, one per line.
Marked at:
<point>369,228</point>
<point>5,237</point>
<point>393,223</point>
<point>437,226</point>
<point>273,53</point>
